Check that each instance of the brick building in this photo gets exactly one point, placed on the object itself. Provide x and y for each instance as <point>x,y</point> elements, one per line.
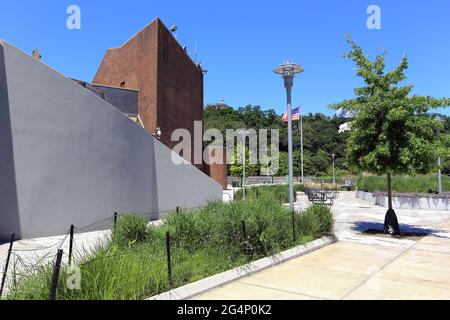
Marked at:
<point>170,84</point>
<point>168,81</point>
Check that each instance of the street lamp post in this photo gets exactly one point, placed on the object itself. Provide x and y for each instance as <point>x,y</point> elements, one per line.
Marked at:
<point>438,131</point>
<point>288,70</point>
<point>243,168</point>
<point>301,147</point>
<point>244,135</point>
<point>334,175</point>
<point>440,175</point>
<point>267,172</point>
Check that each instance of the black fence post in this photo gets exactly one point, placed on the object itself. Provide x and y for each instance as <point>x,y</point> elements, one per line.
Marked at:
<point>169,260</point>
<point>55,275</point>
<point>178,209</point>
<point>8,258</point>
<point>280,200</point>
<point>244,230</point>
<point>72,228</point>
<point>257,193</point>
<point>115,219</point>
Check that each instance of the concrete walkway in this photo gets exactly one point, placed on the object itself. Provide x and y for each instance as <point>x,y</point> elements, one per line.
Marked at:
<point>357,267</point>
<point>360,267</point>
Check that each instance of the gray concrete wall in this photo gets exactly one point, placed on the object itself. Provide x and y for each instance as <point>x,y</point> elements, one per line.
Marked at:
<point>68,157</point>
<point>8,188</point>
<point>430,203</point>
<point>186,191</point>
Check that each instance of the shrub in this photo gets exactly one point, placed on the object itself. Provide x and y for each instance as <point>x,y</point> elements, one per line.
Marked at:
<point>129,230</point>
<point>267,223</point>
<point>403,184</point>
<point>133,265</point>
<point>276,192</point>
<point>317,221</point>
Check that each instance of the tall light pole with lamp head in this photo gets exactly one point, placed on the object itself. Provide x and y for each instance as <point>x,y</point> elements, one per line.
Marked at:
<point>439,175</point>
<point>244,134</point>
<point>334,175</point>
<point>438,131</point>
<point>288,70</point>
<point>301,148</point>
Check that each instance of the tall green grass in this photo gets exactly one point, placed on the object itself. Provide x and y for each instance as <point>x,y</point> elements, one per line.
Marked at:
<point>278,192</point>
<point>403,184</point>
<point>132,263</point>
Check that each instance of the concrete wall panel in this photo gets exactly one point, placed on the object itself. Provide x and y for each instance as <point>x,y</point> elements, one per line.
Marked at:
<point>76,159</point>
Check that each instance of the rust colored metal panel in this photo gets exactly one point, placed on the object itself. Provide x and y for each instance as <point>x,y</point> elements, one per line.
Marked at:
<point>217,169</point>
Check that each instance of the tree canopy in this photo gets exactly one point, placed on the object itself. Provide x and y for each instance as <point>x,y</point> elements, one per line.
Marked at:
<point>377,143</point>
<point>393,131</point>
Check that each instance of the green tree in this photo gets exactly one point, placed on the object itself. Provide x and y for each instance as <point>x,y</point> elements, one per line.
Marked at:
<point>236,169</point>
<point>393,132</point>
<point>322,162</point>
<point>284,163</point>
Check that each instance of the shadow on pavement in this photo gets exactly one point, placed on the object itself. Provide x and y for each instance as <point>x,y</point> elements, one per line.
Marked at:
<point>363,226</point>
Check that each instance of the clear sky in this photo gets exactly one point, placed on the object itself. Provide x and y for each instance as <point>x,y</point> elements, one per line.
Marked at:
<point>240,42</point>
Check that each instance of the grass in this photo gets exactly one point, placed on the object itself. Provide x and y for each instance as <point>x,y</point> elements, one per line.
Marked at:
<point>132,263</point>
<point>403,184</point>
<point>278,192</point>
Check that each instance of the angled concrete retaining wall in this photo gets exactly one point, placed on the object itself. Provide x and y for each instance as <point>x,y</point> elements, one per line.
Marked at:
<point>68,157</point>
<point>406,202</point>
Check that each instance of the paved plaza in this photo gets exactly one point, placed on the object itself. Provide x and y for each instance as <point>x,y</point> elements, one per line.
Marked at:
<point>356,267</point>
<point>359,266</point>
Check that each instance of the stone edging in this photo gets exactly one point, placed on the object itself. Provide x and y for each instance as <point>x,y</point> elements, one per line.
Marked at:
<point>201,286</point>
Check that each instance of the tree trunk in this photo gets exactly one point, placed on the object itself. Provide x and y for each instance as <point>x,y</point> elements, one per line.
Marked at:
<point>389,177</point>
<point>390,221</point>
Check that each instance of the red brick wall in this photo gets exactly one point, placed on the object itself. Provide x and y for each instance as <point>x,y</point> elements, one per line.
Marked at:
<point>135,64</point>
<point>170,84</point>
<point>180,89</point>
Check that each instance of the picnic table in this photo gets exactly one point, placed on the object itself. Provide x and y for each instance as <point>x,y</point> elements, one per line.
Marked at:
<point>322,196</point>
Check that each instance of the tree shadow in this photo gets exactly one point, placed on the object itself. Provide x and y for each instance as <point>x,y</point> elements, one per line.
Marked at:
<point>407,229</point>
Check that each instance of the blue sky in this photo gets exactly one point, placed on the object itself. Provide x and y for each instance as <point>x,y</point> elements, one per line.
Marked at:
<point>240,42</point>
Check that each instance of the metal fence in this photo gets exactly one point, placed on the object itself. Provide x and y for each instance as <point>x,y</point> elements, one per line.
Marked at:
<point>236,182</point>
<point>21,263</point>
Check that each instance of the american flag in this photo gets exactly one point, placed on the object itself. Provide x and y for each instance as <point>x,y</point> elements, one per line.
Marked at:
<point>295,115</point>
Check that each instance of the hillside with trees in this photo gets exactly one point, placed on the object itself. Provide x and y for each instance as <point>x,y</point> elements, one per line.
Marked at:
<point>320,137</point>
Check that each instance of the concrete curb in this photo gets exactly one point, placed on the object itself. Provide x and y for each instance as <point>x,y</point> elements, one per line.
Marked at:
<point>201,286</point>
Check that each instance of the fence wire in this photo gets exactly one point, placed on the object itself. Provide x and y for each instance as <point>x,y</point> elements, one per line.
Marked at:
<point>25,263</point>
